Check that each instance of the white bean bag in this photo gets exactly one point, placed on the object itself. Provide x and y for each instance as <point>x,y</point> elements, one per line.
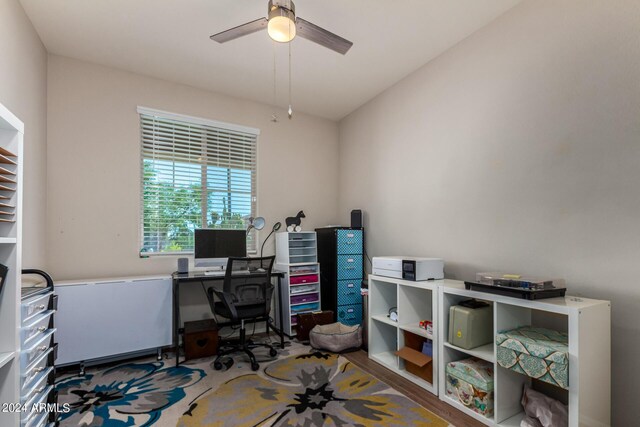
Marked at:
<point>336,337</point>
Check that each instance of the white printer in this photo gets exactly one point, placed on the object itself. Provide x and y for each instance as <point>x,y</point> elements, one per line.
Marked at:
<point>409,268</point>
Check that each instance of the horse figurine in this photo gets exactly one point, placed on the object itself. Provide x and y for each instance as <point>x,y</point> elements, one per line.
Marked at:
<point>293,222</point>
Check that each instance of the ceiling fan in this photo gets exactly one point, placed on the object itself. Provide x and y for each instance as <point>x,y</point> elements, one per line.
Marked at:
<point>283,25</point>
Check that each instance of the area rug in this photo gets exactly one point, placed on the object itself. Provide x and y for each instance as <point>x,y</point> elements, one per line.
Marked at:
<point>314,389</point>
<point>147,392</point>
<point>301,387</point>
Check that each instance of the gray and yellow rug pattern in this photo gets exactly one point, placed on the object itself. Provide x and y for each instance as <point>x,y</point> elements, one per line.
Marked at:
<point>302,387</point>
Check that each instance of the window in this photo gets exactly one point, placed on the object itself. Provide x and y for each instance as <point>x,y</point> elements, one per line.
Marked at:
<point>195,173</point>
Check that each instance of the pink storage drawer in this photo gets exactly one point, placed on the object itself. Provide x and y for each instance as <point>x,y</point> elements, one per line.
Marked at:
<point>307,278</point>
<point>299,299</point>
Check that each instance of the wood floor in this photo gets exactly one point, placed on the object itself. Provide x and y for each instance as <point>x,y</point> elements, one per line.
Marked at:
<point>412,391</point>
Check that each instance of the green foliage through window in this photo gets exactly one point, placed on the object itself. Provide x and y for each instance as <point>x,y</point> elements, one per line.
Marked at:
<point>193,176</point>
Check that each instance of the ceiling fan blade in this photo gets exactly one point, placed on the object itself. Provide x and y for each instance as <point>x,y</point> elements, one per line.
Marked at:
<point>312,32</point>
<point>240,30</point>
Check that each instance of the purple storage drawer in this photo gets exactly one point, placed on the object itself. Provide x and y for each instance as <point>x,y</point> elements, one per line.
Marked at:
<point>300,299</point>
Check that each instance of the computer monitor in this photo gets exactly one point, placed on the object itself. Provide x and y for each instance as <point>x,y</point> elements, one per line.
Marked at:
<point>213,247</point>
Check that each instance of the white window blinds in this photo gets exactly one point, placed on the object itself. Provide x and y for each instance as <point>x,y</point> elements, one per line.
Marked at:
<point>196,173</point>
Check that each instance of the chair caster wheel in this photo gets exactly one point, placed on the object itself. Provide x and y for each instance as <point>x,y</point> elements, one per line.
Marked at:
<point>255,366</point>
<point>273,352</point>
<point>217,366</point>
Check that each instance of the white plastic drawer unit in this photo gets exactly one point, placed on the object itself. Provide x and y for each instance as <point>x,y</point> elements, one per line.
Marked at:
<point>38,386</point>
<point>35,369</point>
<point>35,305</point>
<point>37,348</point>
<point>35,327</point>
<point>37,419</point>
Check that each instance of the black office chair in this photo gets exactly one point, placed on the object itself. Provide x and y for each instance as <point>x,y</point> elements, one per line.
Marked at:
<point>246,295</point>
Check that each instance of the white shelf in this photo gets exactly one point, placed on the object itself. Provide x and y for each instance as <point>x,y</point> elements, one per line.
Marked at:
<point>6,357</point>
<point>293,294</point>
<point>459,406</point>
<point>513,421</point>
<point>415,329</point>
<point>387,359</point>
<point>304,274</point>
<point>484,352</point>
<point>384,319</point>
<point>301,312</point>
<point>419,381</point>
<point>6,240</point>
<point>561,305</point>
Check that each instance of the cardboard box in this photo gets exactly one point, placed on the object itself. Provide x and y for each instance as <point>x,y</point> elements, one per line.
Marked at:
<point>417,363</point>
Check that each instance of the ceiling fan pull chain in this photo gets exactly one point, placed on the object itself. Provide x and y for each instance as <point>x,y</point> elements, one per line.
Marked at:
<point>274,116</point>
<point>290,108</point>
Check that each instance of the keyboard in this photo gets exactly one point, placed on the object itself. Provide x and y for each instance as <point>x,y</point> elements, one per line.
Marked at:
<point>219,273</point>
<point>214,273</point>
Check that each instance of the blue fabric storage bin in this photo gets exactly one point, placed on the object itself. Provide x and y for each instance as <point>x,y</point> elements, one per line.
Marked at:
<point>350,314</point>
<point>349,241</point>
<point>349,267</point>
<point>349,292</point>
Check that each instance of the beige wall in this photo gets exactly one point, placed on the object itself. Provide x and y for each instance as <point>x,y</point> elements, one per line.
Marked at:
<point>94,165</point>
<point>518,149</point>
<point>23,90</point>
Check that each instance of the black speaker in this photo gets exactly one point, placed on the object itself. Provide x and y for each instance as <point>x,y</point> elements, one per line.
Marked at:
<point>183,265</point>
<point>356,218</point>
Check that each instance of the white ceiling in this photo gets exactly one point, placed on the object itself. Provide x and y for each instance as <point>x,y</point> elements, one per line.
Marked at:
<point>169,39</point>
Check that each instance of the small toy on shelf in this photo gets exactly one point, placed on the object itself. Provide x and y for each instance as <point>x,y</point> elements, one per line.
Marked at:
<point>427,325</point>
<point>294,222</point>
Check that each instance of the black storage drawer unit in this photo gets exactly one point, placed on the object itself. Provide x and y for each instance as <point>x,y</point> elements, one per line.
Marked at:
<point>340,254</point>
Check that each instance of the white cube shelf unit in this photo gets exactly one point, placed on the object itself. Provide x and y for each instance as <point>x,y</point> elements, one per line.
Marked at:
<point>588,324</point>
<point>296,255</point>
<point>414,301</point>
<point>11,138</point>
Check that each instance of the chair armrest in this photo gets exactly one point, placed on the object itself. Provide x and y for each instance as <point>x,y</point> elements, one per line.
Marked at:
<point>227,300</point>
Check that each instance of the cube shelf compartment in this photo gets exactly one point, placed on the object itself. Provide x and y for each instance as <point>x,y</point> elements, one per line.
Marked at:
<point>414,301</point>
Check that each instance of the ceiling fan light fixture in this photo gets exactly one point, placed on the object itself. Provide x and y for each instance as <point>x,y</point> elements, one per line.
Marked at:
<point>282,21</point>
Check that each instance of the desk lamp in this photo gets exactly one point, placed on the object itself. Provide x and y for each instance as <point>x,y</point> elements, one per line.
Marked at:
<point>275,228</point>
